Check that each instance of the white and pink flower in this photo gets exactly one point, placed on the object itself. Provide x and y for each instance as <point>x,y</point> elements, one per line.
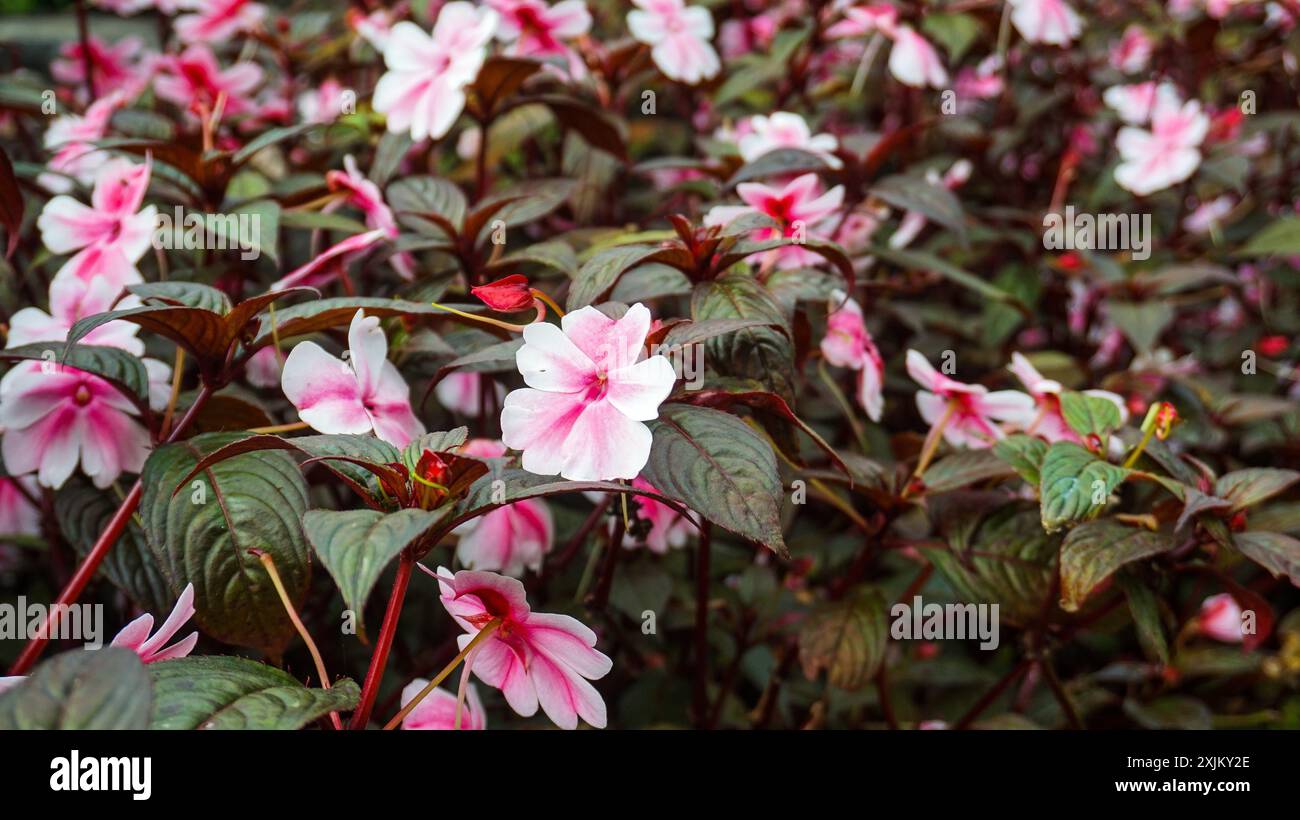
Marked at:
<point>362,395</point>
<point>423,91</point>
<point>194,81</point>
<point>968,413</point>
<point>72,138</point>
<point>913,61</point>
<point>509,539</point>
<point>1048,421</point>
<point>152,648</point>
<point>1220,618</point>
<point>782,129</point>
<point>534,29</point>
<point>668,527</point>
<point>366,197</point>
<point>216,21</point>
<point>590,391</point>
<point>1052,22</point>
<point>1133,51</point>
<point>847,343</point>
<point>114,68</point>
<point>109,237</point>
<point>799,210</point>
<point>534,658</point>
<point>679,37</point>
<point>438,709</point>
<point>1167,154</point>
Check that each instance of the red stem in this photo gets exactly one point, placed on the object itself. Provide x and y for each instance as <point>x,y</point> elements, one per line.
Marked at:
<point>701,694</point>
<point>97,553</point>
<point>83,33</point>
<point>379,659</point>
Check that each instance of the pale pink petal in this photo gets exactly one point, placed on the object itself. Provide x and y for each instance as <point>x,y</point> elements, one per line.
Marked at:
<point>325,391</point>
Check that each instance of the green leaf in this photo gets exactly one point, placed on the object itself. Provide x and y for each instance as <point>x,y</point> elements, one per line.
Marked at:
<point>1089,415</point>
<point>955,32</point>
<point>119,368</point>
<point>203,534</point>
<point>762,353</point>
<point>1075,485</point>
<point>356,545</point>
<point>847,639</point>
<point>222,692</point>
<point>925,262</point>
<point>935,202</point>
<point>82,512</point>
<point>437,442</point>
<point>1246,488</point>
<point>781,161</point>
<point>1172,712</point>
<point>86,689</point>
<point>320,221</point>
<point>1142,323</point>
<point>186,294</point>
<point>1281,237</point>
<point>1145,608</point>
<point>599,273</point>
<point>1024,454</point>
<point>323,314</point>
<point>1275,552</point>
<point>1009,561</point>
<point>718,466</point>
<point>268,138</point>
<point>1093,551</point>
<point>962,468</point>
<point>413,196</point>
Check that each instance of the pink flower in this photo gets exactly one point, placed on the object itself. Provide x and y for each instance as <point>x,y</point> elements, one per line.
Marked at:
<point>324,267</point>
<point>533,658</point>
<point>135,635</point>
<point>861,20</point>
<point>18,516</point>
<point>424,89</point>
<point>1167,154</point>
<point>55,417</point>
<point>114,68</point>
<point>590,391</point>
<point>72,137</point>
<point>1220,618</point>
<point>365,196</point>
<point>1208,215</point>
<point>668,527</point>
<point>983,82</point>
<point>509,539</point>
<point>678,36</point>
<point>1133,51</point>
<point>913,61</point>
<point>1134,103</point>
<point>785,130</point>
<point>375,28</point>
<point>264,368</point>
<point>323,104</point>
<point>193,80</point>
<point>970,409</point>
<point>1045,21</point>
<point>438,709</point>
<point>848,344</point>
<point>112,235</point>
<point>1048,422</point>
<point>798,209</point>
<point>535,29</point>
<point>462,392</point>
<point>361,395</point>
<point>71,300</point>
<point>216,21</point>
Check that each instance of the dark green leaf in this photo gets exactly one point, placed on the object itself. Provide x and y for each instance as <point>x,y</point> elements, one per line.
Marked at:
<point>1093,551</point>
<point>221,692</point>
<point>85,689</point>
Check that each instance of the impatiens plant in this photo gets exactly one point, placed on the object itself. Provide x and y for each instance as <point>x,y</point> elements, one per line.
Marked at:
<point>513,363</point>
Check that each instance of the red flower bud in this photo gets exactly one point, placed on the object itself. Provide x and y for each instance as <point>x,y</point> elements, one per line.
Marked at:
<point>1273,346</point>
<point>507,295</point>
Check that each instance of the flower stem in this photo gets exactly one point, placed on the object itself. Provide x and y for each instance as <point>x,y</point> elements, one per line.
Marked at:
<point>176,392</point>
<point>483,635</point>
<point>932,440</point>
<point>280,428</point>
<point>269,562</point>
<point>379,658</point>
<point>487,320</point>
<point>537,294</point>
<point>32,651</point>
